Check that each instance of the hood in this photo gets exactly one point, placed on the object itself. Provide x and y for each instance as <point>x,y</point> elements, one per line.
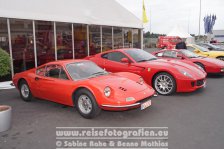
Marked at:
<point>120,84</point>
<point>220,53</point>
<point>217,62</point>
<point>173,65</point>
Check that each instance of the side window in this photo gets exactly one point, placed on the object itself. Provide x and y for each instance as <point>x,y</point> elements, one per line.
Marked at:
<point>116,56</point>
<point>63,75</point>
<point>190,48</point>
<point>41,71</point>
<point>56,71</point>
<point>105,56</point>
<point>172,54</point>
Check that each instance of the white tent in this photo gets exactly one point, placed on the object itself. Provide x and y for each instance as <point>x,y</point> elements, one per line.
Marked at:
<point>180,32</point>
<point>99,12</point>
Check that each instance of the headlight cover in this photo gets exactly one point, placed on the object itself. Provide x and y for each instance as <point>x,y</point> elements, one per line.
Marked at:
<point>107,91</point>
<point>185,73</point>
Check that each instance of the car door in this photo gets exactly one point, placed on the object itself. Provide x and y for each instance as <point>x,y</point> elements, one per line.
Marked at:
<point>112,63</point>
<point>55,85</point>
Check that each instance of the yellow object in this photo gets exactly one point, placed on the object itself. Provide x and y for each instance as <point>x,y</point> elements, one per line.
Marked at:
<point>149,69</point>
<point>205,52</point>
<point>144,16</point>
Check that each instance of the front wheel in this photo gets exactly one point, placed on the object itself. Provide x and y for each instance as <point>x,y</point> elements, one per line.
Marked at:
<point>164,83</point>
<point>221,58</point>
<point>86,104</point>
<point>25,92</point>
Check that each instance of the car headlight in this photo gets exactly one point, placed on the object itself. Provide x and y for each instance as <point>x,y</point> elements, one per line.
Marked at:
<point>141,80</point>
<point>222,69</point>
<point>107,91</point>
<point>185,73</point>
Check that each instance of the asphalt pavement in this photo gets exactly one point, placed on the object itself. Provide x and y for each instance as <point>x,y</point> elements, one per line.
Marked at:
<point>194,120</point>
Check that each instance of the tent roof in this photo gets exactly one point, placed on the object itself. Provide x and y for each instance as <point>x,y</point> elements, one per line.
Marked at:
<point>98,12</point>
<point>180,32</point>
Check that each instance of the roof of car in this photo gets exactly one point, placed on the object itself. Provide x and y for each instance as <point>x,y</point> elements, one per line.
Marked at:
<point>66,61</point>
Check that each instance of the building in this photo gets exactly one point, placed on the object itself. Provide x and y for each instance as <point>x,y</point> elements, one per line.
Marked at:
<point>36,32</point>
<point>218,35</point>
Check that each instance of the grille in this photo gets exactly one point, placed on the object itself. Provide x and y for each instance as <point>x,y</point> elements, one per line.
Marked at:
<point>200,82</point>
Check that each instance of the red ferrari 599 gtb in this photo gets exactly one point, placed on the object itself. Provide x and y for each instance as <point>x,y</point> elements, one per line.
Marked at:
<point>166,76</point>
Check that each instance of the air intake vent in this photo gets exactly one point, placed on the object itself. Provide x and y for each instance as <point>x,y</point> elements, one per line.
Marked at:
<point>123,89</point>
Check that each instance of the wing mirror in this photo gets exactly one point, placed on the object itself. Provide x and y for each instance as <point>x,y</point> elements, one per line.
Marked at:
<point>180,56</point>
<point>125,60</point>
<point>197,51</point>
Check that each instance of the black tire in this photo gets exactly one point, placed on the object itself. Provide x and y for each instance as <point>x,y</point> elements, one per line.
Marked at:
<point>95,110</point>
<point>172,81</point>
<point>201,65</point>
<point>29,95</point>
<point>220,58</point>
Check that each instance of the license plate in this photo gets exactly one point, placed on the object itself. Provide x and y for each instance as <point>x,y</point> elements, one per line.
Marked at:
<point>146,105</point>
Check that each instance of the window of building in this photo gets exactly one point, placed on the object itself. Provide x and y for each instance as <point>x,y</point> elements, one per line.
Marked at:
<point>80,40</point>
<point>45,41</point>
<point>4,43</point>
<point>22,44</point>
<point>136,38</point>
<point>64,41</point>
<point>127,38</point>
<point>94,40</point>
<point>118,38</point>
<point>106,38</point>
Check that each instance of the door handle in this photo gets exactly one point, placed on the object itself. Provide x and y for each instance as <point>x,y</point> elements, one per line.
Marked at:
<point>37,78</point>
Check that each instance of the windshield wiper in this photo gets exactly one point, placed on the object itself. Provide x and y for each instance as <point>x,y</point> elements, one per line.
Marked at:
<point>98,73</point>
<point>147,60</point>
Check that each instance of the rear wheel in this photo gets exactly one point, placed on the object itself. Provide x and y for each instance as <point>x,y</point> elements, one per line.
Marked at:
<point>221,58</point>
<point>25,92</point>
<point>86,104</point>
<point>164,83</point>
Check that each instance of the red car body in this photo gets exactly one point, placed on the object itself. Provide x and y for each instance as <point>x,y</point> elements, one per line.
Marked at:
<point>149,69</point>
<point>210,65</point>
<point>63,89</point>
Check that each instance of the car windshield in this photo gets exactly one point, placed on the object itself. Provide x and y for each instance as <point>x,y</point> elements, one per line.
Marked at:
<point>140,55</point>
<point>84,70</point>
<point>202,48</point>
<point>213,46</point>
<point>189,54</point>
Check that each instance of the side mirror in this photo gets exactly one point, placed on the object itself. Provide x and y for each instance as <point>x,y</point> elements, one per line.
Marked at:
<point>210,48</point>
<point>180,56</point>
<point>197,51</point>
<point>125,60</point>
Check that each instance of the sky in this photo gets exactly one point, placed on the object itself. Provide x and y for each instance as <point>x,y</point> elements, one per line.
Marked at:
<point>164,15</point>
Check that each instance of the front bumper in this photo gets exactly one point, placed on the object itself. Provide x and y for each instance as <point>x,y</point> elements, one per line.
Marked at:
<point>140,98</point>
<point>190,85</point>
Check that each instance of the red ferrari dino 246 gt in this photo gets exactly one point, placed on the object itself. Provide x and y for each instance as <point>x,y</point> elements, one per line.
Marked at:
<point>83,84</point>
